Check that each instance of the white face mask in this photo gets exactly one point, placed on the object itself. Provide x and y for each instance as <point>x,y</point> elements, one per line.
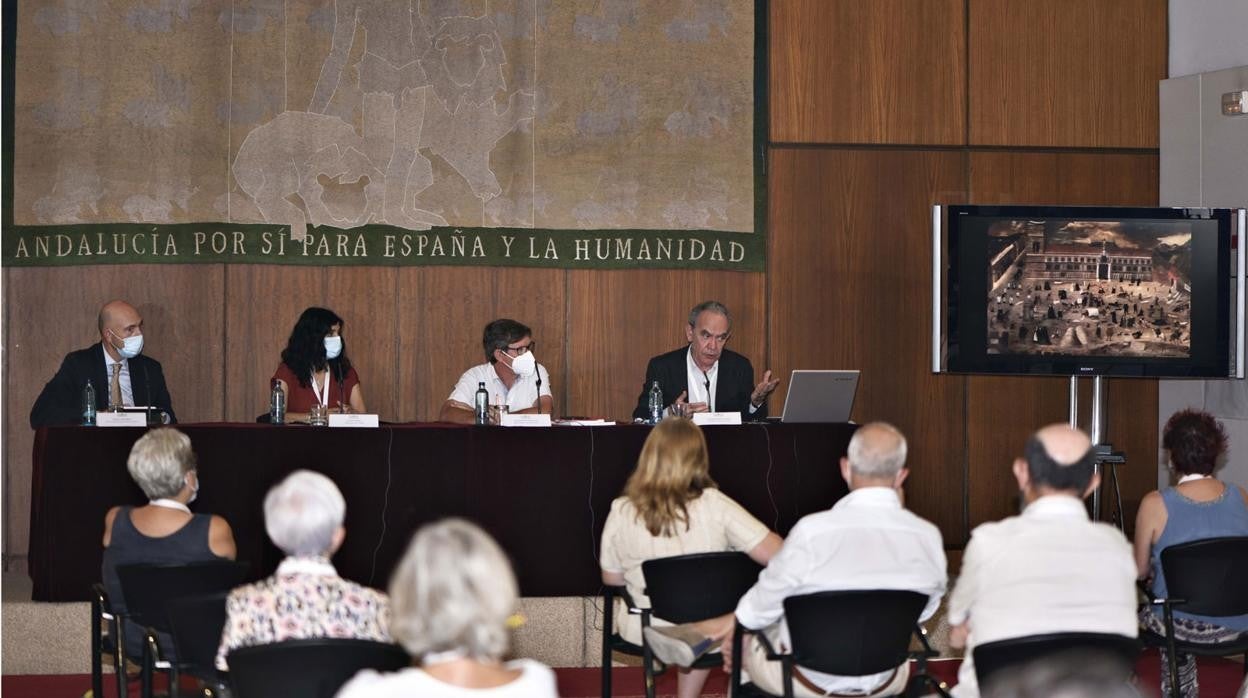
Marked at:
<point>194,487</point>
<point>333,347</point>
<point>130,346</point>
<point>524,365</point>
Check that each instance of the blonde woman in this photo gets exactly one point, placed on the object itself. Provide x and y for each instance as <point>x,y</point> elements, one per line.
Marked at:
<point>450,601</point>
<point>671,506</point>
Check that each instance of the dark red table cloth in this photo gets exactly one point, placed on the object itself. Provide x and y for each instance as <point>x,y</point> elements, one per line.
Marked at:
<point>543,493</point>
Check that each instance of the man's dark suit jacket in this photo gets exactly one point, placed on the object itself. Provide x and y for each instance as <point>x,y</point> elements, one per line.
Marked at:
<point>61,399</point>
<point>733,385</point>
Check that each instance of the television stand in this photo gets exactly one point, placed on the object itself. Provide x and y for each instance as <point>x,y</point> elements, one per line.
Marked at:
<point>1107,459</point>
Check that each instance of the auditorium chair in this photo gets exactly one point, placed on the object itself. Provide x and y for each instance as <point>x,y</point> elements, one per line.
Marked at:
<point>111,643</point>
<point>848,633</point>
<point>682,589</point>
<point>1115,653</point>
<point>196,622</point>
<point>314,668</point>
<point>1209,578</point>
<point>149,589</point>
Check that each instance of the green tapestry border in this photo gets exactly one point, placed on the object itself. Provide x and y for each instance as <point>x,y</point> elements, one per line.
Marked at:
<point>379,245</point>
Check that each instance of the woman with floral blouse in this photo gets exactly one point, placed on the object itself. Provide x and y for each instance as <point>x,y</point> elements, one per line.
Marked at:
<point>305,598</point>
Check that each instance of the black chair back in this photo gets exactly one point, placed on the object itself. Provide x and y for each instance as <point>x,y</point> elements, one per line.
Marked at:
<point>690,588</point>
<point>196,623</point>
<point>308,668</point>
<point>149,588</point>
<point>852,633</point>
<point>1211,576</point>
<point>994,657</point>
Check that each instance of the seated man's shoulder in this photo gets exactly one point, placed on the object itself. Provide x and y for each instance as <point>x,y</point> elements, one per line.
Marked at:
<point>995,530</point>
<point>927,527</point>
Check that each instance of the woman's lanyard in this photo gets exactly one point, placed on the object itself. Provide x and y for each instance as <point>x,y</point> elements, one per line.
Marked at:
<point>321,399</point>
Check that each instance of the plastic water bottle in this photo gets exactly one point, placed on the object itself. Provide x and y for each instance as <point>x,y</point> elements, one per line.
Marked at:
<point>277,404</point>
<point>88,405</point>
<point>481,404</point>
<point>656,403</point>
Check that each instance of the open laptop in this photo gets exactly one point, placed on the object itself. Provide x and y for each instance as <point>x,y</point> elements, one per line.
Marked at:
<point>820,396</point>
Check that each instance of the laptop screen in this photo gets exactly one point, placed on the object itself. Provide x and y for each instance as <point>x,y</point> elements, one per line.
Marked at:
<point>820,396</point>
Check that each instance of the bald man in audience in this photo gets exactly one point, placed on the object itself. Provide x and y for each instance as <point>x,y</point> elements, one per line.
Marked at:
<point>118,372</point>
<point>867,540</point>
<point>1048,570</point>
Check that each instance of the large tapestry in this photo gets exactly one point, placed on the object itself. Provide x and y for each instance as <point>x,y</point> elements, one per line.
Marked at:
<point>564,133</point>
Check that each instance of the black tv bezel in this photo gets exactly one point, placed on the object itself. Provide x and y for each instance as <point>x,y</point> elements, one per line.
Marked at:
<point>1211,351</point>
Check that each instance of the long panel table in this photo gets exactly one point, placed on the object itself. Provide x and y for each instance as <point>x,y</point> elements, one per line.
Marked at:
<point>543,493</point>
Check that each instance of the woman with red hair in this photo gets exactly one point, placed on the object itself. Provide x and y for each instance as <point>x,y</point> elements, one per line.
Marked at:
<point>1198,506</point>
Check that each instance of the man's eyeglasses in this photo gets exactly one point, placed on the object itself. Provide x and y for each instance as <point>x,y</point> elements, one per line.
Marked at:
<point>517,351</point>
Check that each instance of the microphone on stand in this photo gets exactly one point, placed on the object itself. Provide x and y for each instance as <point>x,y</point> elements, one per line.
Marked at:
<point>147,389</point>
<point>538,373</point>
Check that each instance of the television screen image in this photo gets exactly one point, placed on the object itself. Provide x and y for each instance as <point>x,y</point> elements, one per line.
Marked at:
<point>1087,290</point>
<point>1090,287</point>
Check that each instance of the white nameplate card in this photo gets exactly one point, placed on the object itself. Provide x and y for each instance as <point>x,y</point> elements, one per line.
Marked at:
<point>525,420</point>
<point>121,419</point>
<point>353,420</point>
<point>703,419</point>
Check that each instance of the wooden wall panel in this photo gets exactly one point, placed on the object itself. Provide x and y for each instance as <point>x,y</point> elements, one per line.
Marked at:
<point>262,303</point>
<point>1031,402</point>
<point>850,287</point>
<point>367,301</point>
<point>50,312</point>
<point>617,320</point>
<point>444,309</point>
<point>442,313</point>
<point>886,71</point>
<point>1066,73</point>
<point>537,298</point>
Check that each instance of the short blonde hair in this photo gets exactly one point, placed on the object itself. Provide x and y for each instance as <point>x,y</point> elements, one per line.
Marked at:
<point>453,590</point>
<point>159,462</point>
<point>672,470</point>
<point>302,513</point>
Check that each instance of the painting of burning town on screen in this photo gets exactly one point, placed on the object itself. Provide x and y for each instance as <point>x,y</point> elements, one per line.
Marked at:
<point>1090,288</point>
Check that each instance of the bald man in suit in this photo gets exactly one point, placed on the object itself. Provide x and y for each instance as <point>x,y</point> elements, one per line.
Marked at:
<point>138,381</point>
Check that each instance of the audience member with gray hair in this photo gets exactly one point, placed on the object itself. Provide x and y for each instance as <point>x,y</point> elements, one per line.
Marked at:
<point>162,464</point>
<point>867,540</point>
<point>305,598</point>
<point>453,597</point>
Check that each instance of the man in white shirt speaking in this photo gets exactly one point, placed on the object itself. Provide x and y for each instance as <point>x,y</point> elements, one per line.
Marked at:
<point>1048,570</point>
<point>867,540</point>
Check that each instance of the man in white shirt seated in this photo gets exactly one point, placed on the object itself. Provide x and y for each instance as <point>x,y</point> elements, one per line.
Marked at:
<point>511,375</point>
<point>867,540</point>
<point>1048,570</point>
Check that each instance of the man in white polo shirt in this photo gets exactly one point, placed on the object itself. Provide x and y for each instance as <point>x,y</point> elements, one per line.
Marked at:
<point>867,540</point>
<point>511,375</point>
<point>1048,570</point>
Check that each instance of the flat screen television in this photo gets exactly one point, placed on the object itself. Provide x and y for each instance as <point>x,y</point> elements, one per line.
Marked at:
<point>1088,290</point>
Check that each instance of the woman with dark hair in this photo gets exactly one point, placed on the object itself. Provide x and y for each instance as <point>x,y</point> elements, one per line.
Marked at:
<point>1198,506</point>
<point>315,368</point>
